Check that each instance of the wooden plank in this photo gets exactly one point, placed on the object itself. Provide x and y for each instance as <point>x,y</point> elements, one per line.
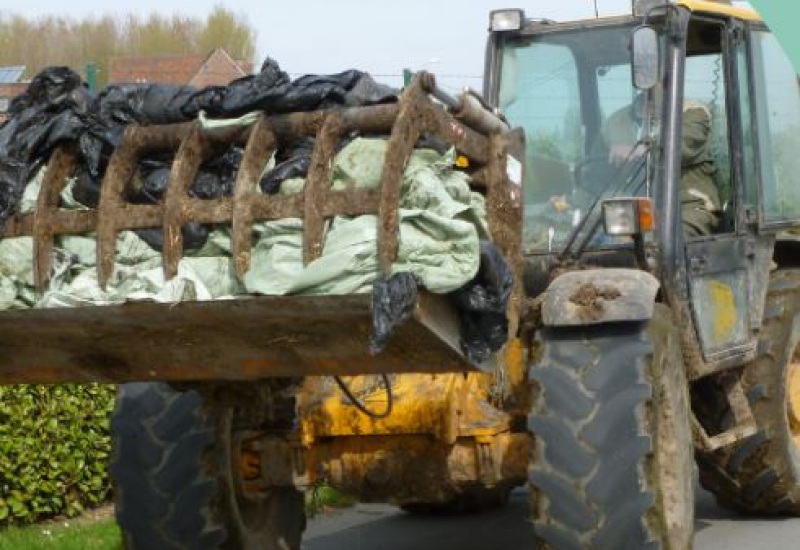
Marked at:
<point>243,339</point>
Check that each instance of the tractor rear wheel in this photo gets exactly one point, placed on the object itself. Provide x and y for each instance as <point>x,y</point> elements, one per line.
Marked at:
<point>612,463</point>
<point>762,473</point>
<point>174,472</point>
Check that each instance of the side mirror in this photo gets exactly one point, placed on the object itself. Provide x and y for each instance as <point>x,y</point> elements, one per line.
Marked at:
<point>645,57</point>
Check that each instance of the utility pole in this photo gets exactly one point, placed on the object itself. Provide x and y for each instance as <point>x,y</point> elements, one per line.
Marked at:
<point>407,74</point>
<point>91,76</point>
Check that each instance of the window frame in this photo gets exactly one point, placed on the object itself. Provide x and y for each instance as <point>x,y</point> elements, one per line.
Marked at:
<point>733,123</point>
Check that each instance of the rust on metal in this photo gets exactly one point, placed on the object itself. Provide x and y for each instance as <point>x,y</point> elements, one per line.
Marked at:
<point>61,166</point>
<point>405,133</point>
<point>745,423</point>
<point>318,183</point>
<point>193,151</point>
<point>259,149</point>
<point>190,145</point>
<point>413,117</point>
<point>504,211</point>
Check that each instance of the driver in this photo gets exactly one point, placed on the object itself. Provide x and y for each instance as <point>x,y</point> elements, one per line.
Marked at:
<point>700,203</point>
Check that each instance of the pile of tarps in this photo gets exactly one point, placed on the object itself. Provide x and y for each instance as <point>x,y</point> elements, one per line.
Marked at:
<point>57,107</point>
<point>443,239</point>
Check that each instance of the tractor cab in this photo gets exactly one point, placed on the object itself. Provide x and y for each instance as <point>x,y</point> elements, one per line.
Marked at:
<point>660,141</point>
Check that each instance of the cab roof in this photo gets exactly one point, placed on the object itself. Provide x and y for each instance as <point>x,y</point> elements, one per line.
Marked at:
<point>720,7</point>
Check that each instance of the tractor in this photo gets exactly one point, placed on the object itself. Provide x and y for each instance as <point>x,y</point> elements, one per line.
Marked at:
<point>638,176</point>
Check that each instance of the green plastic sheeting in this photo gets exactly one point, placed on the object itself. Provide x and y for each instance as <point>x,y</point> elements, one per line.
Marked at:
<point>441,223</point>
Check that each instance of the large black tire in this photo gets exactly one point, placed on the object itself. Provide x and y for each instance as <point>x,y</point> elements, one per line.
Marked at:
<point>612,464</point>
<point>762,473</point>
<point>173,478</point>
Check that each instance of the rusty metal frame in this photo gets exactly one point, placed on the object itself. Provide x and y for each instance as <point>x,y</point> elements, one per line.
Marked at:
<point>745,426</point>
<point>414,116</point>
<point>252,337</point>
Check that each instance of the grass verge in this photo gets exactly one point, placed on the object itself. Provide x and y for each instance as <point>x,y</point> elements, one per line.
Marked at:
<point>103,533</point>
<point>63,535</point>
<point>324,498</point>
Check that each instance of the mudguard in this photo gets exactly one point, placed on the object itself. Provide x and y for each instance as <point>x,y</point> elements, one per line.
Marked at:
<point>595,296</point>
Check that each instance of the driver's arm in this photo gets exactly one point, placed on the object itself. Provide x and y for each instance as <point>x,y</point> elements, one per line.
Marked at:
<point>619,133</point>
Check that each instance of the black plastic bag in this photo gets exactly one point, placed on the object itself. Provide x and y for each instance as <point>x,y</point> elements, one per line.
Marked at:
<point>123,104</point>
<point>54,88</point>
<point>12,172</point>
<point>194,234</point>
<point>393,302</point>
<point>217,177</point>
<point>291,162</point>
<point>482,305</point>
<point>365,91</point>
<point>271,91</point>
<point>250,93</point>
<point>86,189</point>
<point>58,107</point>
<point>52,110</point>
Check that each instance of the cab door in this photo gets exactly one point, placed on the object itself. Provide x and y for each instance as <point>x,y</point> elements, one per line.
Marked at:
<point>721,261</point>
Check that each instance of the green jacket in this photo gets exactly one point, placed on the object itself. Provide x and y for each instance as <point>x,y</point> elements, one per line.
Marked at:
<point>700,203</point>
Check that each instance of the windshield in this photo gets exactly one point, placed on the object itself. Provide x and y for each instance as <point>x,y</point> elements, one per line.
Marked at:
<point>588,130</point>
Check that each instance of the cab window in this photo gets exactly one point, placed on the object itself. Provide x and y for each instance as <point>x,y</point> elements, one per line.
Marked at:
<point>777,105</point>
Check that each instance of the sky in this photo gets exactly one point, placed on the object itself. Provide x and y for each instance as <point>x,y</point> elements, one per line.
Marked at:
<point>382,37</point>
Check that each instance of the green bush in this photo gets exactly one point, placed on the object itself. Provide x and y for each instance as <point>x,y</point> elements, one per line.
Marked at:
<point>54,446</point>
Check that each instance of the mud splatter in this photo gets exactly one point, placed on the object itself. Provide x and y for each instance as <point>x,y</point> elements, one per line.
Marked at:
<point>589,298</point>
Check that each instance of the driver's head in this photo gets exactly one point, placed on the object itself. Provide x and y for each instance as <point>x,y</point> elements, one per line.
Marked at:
<point>696,132</point>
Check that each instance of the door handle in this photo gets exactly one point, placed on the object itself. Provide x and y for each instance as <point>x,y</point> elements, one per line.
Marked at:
<point>697,263</point>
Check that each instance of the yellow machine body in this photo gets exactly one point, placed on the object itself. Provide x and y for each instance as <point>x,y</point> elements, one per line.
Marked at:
<point>448,434</point>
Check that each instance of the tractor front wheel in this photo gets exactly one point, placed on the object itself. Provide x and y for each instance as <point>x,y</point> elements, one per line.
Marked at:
<point>612,463</point>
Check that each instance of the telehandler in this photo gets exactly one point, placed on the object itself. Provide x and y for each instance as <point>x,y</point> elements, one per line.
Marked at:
<point>635,345</point>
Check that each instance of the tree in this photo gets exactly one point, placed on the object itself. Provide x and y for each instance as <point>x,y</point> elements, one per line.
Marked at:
<point>56,40</point>
<point>224,29</point>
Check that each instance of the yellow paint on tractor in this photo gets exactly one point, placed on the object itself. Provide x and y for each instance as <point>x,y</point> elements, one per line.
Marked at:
<point>445,406</point>
<point>793,399</point>
<point>444,435</point>
<point>721,8</point>
<point>724,305</point>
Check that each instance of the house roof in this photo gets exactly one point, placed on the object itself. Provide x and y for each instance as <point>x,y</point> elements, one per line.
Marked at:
<point>219,68</point>
<point>166,69</point>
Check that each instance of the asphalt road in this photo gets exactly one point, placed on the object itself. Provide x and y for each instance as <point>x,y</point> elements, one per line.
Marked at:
<point>381,527</point>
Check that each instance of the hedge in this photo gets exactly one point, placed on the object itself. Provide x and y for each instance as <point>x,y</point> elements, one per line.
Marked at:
<point>54,446</point>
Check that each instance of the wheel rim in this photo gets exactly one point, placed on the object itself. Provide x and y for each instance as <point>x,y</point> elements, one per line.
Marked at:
<point>793,399</point>
<point>253,511</point>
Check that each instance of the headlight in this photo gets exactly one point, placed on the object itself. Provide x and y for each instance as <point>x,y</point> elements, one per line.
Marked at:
<point>506,20</point>
<point>627,216</point>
